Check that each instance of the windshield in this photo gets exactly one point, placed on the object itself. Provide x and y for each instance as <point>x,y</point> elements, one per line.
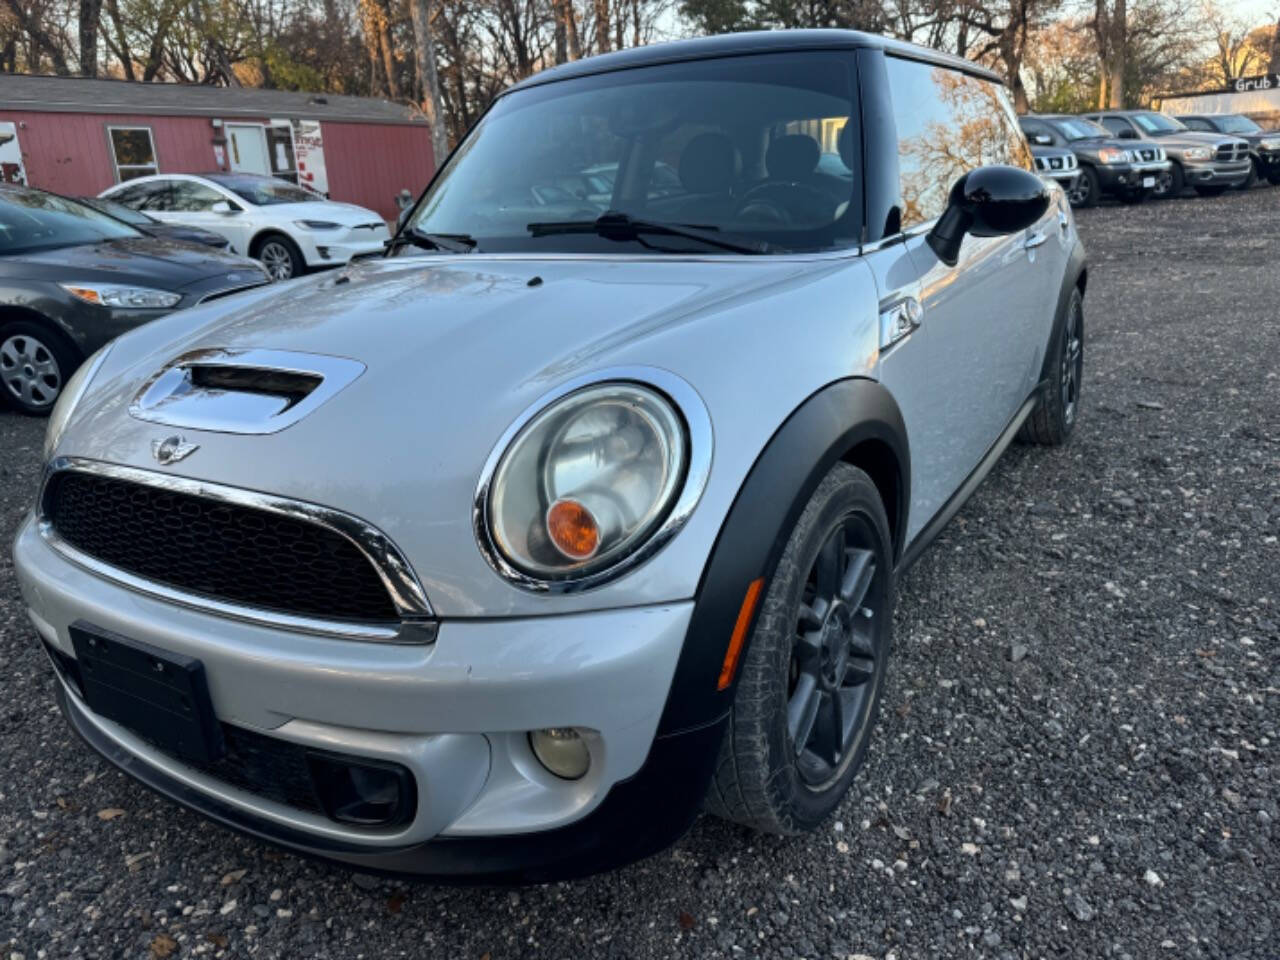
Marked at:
<point>119,211</point>
<point>1234,123</point>
<point>32,220</point>
<point>263,191</point>
<point>1077,129</point>
<point>1157,123</point>
<point>753,147</point>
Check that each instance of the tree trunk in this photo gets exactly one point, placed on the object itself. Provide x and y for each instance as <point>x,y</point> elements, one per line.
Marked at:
<point>571,29</point>
<point>1119,44</point>
<point>90,17</point>
<point>604,23</point>
<point>40,39</point>
<point>424,49</point>
<point>1274,65</point>
<point>388,54</point>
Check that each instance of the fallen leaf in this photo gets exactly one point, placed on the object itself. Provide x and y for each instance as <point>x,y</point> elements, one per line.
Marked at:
<point>217,939</point>
<point>163,946</point>
<point>396,902</point>
<point>110,813</point>
<point>686,920</point>
<point>901,833</point>
<point>944,803</point>
<point>235,876</point>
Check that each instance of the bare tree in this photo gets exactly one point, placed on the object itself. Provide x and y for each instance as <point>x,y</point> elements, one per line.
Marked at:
<point>424,48</point>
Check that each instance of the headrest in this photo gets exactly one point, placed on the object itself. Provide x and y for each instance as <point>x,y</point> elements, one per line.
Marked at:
<point>709,164</point>
<point>793,157</point>
<point>844,144</point>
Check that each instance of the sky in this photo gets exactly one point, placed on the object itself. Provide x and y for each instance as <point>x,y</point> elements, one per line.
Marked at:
<point>1258,11</point>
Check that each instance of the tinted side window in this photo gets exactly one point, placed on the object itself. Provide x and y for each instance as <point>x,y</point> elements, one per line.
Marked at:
<point>158,196</point>
<point>1116,125</point>
<point>189,195</point>
<point>948,124</point>
<point>132,196</point>
<point>1195,123</point>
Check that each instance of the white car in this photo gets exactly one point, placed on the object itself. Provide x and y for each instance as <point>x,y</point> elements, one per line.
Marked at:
<point>289,229</point>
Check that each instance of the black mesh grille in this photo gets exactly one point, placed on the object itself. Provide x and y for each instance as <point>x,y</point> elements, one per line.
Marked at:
<point>270,768</point>
<point>224,551</point>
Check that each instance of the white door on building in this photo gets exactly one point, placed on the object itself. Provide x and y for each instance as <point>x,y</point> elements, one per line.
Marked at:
<point>247,148</point>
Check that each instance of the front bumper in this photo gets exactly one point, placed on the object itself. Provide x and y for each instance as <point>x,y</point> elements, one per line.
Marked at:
<point>1217,174</point>
<point>333,248</point>
<point>455,713</point>
<point>1117,177</point>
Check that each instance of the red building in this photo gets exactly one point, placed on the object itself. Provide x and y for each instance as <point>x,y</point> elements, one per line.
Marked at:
<point>77,136</point>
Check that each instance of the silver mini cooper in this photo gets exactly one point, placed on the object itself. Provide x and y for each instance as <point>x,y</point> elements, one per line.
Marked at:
<point>579,511</point>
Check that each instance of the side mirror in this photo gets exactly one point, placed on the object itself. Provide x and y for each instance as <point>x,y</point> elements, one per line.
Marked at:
<point>1127,134</point>
<point>1042,140</point>
<point>988,202</point>
<point>223,206</point>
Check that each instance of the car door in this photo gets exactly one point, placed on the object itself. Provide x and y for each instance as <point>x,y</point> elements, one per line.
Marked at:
<point>1120,126</point>
<point>192,202</point>
<point>972,362</point>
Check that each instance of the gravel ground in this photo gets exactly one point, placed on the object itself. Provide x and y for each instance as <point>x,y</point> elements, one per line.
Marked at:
<point>1077,755</point>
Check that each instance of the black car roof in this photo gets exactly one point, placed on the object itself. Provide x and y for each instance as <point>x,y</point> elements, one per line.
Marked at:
<point>738,44</point>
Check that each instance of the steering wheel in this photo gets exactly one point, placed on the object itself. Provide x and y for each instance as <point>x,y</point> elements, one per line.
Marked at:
<point>761,210</point>
<point>778,193</point>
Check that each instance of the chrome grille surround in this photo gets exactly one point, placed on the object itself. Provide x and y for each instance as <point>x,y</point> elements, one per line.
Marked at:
<point>416,624</point>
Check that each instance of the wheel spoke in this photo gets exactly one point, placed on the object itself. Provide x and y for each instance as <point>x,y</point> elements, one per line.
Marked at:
<point>857,579</point>
<point>831,563</point>
<point>812,614</point>
<point>802,710</point>
<point>828,740</point>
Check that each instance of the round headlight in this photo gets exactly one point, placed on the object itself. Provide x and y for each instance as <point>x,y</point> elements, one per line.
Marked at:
<point>587,480</point>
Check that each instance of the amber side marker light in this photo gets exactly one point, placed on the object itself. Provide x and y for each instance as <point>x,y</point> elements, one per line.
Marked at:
<point>739,633</point>
<point>573,529</point>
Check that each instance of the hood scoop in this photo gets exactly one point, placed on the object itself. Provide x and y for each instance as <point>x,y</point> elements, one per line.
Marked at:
<point>242,391</point>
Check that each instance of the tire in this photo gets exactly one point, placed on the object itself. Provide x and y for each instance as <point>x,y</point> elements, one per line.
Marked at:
<point>1054,417</point>
<point>1170,185</point>
<point>1211,191</point>
<point>1273,178</point>
<point>1086,191</point>
<point>35,363</point>
<point>1255,174</point>
<point>761,780</point>
<point>279,255</point>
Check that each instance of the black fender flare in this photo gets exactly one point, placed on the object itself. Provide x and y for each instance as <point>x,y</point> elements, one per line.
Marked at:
<point>821,431</point>
<point>1075,275</point>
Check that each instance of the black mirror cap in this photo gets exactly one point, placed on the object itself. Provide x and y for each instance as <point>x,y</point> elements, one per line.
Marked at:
<point>1127,135</point>
<point>988,202</point>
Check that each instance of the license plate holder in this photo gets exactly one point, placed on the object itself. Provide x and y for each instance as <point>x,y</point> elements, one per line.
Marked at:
<point>161,696</point>
<point>1148,182</point>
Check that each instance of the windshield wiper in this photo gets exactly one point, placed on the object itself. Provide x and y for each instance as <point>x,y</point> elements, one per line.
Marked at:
<point>448,242</point>
<point>622,226</point>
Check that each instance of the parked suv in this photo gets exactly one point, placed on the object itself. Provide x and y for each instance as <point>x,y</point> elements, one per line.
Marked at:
<point>503,554</point>
<point>1264,145</point>
<point>1059,165</point>
<point>1211,163</point>
<point>1127,170</point>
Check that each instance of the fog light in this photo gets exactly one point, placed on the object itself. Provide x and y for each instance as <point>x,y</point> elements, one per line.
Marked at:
<point>562,751</point>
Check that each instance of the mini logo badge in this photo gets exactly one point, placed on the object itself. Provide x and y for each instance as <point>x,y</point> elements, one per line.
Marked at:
<point>172,449</point>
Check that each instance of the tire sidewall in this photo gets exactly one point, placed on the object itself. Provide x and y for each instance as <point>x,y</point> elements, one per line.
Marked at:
<point>1075,305</point>
<point>1089,181</point>
<point>773,638</point>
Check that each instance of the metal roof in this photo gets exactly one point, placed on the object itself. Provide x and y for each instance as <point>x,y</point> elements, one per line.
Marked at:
<point>759,41</point>
<point>81,95</point>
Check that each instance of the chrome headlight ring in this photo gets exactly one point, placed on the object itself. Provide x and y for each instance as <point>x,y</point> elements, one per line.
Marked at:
<point>687,407</point>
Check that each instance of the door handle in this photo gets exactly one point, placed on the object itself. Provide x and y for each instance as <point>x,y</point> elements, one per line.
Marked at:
<point>1035,240</point>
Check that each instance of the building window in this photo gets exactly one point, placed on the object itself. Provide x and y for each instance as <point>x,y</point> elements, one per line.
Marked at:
<point>133,151</point>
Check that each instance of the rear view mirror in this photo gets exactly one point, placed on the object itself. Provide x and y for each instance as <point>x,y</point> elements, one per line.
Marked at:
<point>222,206</point>
<point>988,202</point>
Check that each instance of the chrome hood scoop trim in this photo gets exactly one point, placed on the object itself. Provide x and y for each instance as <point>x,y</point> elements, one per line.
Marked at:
<point>252,391</point>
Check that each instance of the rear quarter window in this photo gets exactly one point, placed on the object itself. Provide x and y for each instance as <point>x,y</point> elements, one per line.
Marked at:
<point>948,123</point>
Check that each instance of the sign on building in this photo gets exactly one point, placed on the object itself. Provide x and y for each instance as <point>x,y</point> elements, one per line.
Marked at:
<point>308,147</point>
<point>11,168</point>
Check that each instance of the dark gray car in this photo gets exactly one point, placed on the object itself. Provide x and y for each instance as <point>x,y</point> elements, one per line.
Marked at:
<point>72,278</point>
<point>1209,162</point>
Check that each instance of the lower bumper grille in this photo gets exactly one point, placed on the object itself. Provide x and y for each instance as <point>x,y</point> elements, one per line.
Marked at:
<point>225,551</point>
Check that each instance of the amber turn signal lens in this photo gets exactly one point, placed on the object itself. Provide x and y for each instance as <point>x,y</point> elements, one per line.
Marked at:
<point>573,529</point>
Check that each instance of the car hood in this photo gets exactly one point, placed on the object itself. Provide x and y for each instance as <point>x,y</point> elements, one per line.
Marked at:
<point>1097,143</point>
<point>450,351</point>
<point>1196,138</point>
<point>347,214</point>
<point>145,260</point>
